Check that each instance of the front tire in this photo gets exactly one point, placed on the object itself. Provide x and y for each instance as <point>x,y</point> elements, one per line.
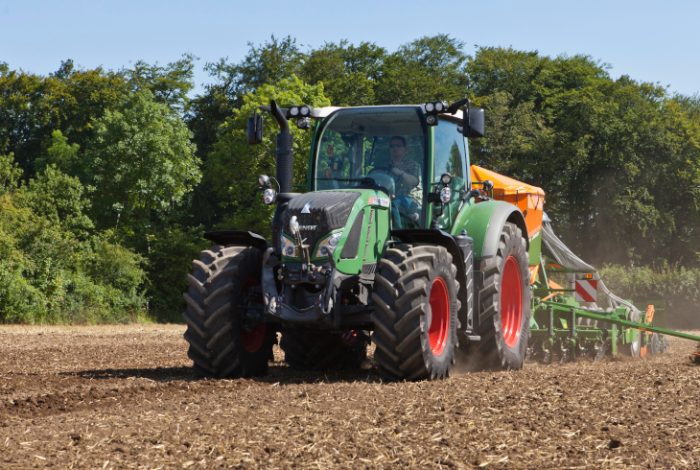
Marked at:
<point>415,314</point>
<point>504,304</point>
<point>222,342</point>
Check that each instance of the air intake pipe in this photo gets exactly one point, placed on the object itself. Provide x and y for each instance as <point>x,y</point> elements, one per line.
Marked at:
<point>285,158</point>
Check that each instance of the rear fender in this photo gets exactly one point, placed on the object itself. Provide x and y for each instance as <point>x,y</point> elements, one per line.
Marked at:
<point>484,222</point>
<point>464,275</point>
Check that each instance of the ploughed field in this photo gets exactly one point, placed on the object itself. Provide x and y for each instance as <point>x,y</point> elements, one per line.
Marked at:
<point>126,397</point>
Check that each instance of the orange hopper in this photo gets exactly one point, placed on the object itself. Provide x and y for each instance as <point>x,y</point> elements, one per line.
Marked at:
<point>530,199</point>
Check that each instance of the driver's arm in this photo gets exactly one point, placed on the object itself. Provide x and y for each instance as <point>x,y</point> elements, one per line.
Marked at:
<point>407,178</point>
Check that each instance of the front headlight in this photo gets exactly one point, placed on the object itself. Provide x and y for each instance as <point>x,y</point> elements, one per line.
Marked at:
<point>327,245</point>
<point>289,247</point>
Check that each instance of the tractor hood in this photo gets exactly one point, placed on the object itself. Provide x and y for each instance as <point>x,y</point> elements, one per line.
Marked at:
<point>347,224</point>
<point>320,213</point>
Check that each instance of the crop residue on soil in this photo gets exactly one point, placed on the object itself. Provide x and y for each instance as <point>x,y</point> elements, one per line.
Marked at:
<point>125,397</point>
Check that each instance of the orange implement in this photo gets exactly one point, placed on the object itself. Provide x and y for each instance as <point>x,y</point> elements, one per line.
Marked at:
<point>534,272</point>
<point>650,314</point>
<point>552,285</point>
<point>530,199</point>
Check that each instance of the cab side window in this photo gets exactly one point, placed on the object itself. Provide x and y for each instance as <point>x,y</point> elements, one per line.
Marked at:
<point>450,155</point>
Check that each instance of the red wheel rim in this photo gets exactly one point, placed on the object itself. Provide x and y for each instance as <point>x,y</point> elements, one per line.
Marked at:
<point>511,302</point>
<point>253,338</point>
<point>438,332</point>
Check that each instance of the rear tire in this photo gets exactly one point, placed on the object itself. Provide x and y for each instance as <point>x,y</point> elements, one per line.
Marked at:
<point>504,304</point>
<point>415,312</point>
<point>323,350</point>
<point>222,343</point>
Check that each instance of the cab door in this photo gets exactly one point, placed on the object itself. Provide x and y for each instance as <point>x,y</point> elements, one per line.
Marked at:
<point>449,156</point>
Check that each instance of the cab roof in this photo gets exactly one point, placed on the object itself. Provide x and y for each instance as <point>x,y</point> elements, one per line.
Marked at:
<point>320,113</point>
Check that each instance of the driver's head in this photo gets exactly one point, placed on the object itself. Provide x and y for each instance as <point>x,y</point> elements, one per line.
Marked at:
<point>397,148</point>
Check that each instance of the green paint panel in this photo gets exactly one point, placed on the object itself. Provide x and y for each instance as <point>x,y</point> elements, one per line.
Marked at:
<point>535,251</point>
<point>475,219</point>
<point>374,206</point>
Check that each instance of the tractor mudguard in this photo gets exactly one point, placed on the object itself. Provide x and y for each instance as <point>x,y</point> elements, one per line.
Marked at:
<point>484,223</point>
<point>463,260</point>
<point>434,237</point>
<point>237,238</point>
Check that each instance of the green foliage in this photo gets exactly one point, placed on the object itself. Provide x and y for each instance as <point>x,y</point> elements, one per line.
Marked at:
<point>103,197</point>
<point>114,265</point>
<point>349,73</point>
<point>232,167</point>
<point>142,160</point>
<point>168,84</point>
<point>59,199</point>
<point>426,69</point>
<point>10,174</point>
<point>21,302</point>
<point>77,127</point>
<point>60,153</point>
<point>33,107</point>
<point>49,276</point>
<point>267,64</point>
<point>170,259</point>
<point>618,159</point>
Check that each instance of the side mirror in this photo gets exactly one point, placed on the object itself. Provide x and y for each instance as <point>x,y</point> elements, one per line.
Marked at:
<point>473,122</point>
<point>254,131</point>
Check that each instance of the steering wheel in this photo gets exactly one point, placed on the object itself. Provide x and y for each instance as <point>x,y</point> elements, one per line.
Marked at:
<point>383,179</point>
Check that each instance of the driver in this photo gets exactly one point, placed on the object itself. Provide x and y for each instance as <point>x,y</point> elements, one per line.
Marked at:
<point>405,170</point>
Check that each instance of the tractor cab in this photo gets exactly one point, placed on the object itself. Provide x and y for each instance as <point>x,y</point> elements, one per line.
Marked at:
<point>415,156</point>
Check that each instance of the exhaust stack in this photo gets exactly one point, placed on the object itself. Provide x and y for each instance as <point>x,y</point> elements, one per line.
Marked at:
<point>283,151</point>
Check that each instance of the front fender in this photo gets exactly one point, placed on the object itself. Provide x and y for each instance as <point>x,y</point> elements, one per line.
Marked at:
<point>237,238</point>
<point>484,223</point>
<point>434,237</point>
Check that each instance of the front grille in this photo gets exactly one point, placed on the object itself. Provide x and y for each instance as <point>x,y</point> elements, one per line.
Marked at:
<point>320,213</point>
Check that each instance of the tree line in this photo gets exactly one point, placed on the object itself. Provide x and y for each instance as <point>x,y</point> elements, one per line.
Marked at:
<point>109,177</point>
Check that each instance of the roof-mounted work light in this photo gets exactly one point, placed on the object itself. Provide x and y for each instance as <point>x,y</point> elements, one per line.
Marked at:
<point>302,111</point>
<point>432,109</point>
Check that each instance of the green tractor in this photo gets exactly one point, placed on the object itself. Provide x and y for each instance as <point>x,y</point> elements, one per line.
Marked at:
<point>392,239</point>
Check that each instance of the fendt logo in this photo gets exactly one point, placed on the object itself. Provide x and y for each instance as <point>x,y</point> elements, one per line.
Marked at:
<point>306,209</point>
<point>308,228</point>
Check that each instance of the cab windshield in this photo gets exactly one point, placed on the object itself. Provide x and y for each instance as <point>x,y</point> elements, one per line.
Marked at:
<point>375,147</point>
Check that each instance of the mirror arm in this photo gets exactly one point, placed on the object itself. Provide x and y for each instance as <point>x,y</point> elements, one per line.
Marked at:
<point>454,107</point>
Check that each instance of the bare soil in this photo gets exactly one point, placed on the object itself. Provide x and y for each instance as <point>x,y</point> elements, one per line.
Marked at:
<point>126,397</point>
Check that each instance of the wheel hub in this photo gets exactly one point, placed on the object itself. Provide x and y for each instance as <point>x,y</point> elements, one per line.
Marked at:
<point>253,339</point>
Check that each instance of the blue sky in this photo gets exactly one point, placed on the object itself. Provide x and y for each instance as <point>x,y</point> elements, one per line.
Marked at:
<point>656,41</point>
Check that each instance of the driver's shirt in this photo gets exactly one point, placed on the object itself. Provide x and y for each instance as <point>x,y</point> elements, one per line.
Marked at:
<point>410,167</point>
